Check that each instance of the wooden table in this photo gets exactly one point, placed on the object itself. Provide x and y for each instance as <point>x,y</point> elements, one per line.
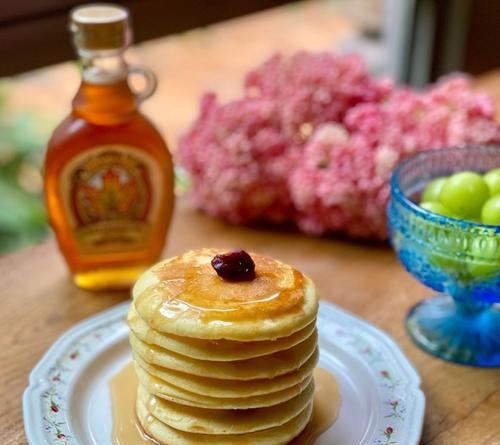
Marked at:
<point>39,302</point>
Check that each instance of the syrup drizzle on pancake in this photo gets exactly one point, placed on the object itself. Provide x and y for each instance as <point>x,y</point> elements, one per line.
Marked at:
<point>193,288</point>
<point>127,430</point>
<point>126,427</point>
<point>326,405</point>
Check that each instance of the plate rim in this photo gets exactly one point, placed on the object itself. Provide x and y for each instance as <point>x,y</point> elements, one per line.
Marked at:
<point>38,381</point>
<point>413,384</point>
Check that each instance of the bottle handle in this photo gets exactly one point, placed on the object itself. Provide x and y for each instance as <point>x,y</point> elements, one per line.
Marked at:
<point>150,78</point>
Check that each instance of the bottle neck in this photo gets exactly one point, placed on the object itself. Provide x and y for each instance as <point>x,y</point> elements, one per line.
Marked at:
<point>101,68</point>
<point>104,96</point>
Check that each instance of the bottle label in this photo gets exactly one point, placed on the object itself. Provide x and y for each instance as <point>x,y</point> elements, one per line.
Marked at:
<point>111,196</point>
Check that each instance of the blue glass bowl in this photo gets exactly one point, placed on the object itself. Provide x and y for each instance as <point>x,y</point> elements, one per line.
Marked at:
<point>459,259</point>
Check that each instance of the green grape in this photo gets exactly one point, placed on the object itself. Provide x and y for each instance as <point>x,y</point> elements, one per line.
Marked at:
<point>464,194</point>
<point>436,207</point>
<point>432,190</point>
<point>443,257</point>
<point>485,257</point>
<point>490,213</point>
<point>450,263</point>
<point>492,178</point>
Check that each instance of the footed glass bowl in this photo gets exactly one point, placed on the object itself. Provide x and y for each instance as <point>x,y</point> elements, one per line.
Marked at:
<point>459,259</point>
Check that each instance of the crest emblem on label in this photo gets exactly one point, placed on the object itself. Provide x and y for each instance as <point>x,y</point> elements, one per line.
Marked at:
<point>110,187</point>
<point>111,197</point>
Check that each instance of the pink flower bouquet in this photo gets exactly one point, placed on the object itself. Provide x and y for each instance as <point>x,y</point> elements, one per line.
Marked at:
<point>314,141</point>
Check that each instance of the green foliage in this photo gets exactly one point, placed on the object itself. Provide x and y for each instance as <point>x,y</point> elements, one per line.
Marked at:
<point>22,141</point>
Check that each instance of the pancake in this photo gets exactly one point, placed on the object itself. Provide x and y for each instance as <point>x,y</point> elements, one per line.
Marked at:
<point>220,361</point>
<point>279,435</point>
<point>267,366</point>
<point>230,388</point>
<point>215,350</point>
<point>173,393</point>
<point>220,421</point>
<point>184,296</point>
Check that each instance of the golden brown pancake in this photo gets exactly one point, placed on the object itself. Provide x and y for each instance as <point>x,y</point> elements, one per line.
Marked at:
<point>224,388</point>
<point>267,366</point>
<point>184,296</point>
<point>164,390</point>
<point>215,350</point>
<point>224,421</point>
<point>279,435</point>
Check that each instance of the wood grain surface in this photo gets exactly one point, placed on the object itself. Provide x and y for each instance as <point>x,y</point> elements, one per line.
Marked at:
<point>39,302</point>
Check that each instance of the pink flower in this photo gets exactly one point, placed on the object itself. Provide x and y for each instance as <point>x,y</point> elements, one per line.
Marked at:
<point>239,159</point>
<point>314,88</point>
<point>315,139</point>
<point>347,190</point>
<point>384,374</point>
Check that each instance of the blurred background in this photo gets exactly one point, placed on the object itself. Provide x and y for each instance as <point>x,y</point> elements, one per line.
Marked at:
<point>195,46</point>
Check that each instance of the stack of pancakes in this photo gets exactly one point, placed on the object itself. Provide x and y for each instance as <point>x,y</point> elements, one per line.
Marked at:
<point>223,362</point>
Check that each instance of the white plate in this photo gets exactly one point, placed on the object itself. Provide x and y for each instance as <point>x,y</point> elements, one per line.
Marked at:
<point>67,400</point>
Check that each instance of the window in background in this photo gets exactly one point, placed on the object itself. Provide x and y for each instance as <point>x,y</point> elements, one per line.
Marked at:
<point>417,41</point>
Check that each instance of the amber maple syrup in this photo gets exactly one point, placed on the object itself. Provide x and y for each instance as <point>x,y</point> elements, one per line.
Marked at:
<point>128,431</point>
<point>108,172</point>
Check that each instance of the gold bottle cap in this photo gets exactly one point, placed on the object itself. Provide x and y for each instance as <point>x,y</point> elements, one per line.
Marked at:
<point>100,26</point>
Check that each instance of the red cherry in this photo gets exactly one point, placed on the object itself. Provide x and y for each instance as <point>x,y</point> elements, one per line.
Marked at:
<point>234,266</point>
<point>389,430</point>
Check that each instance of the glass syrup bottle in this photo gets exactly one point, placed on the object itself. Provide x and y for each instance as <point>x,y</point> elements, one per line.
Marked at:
<point>108,172</point>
